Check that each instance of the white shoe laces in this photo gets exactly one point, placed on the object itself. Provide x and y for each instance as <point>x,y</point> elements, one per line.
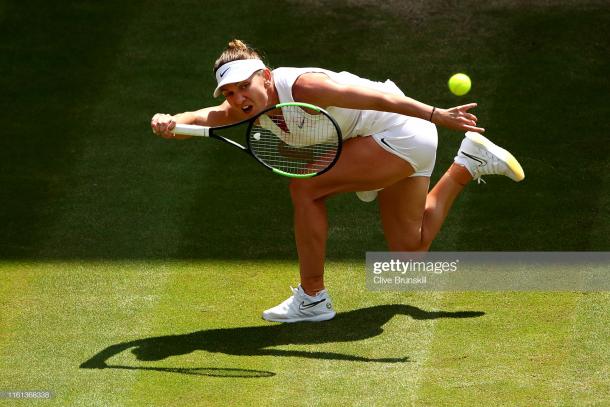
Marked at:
<point>492,166</point>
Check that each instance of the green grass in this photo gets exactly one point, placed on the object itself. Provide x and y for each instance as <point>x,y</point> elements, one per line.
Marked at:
<point>197,339</point>
<point>82,177</point>
<point>109,235</point>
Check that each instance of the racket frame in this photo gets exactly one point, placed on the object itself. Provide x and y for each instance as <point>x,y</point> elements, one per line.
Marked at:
<point>205,131</point>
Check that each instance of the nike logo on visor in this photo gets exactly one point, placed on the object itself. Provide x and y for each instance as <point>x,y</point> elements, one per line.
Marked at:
<point>303,306</point>
<point>224,72</point>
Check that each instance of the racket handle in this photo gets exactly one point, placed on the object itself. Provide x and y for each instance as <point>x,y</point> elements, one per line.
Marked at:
<point>192,130</point>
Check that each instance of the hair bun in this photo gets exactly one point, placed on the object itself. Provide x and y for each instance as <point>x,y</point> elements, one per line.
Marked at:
<point>237,45</point>
<point>236,49</point>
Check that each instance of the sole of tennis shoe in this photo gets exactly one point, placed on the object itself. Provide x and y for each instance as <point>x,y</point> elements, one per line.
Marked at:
<point>316,318</point>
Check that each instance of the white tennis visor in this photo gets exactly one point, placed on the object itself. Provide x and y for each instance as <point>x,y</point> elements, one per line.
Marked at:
<point>236,71</point>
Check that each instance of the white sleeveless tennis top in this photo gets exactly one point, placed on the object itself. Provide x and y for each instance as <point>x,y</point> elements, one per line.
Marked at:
<point>352,122</point>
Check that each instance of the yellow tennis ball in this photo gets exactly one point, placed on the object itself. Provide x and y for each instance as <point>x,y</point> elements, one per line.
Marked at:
<point>459,84</point>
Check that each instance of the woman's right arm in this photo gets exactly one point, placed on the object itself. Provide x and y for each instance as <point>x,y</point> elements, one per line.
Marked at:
<point>162,124</point>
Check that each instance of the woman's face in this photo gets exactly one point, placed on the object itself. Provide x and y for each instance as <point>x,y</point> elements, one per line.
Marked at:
<point>250,96</point>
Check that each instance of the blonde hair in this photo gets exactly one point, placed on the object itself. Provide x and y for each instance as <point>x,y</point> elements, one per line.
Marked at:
<point>236,50</point>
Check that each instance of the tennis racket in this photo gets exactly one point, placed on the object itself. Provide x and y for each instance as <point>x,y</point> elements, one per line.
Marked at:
<point>284,138</point>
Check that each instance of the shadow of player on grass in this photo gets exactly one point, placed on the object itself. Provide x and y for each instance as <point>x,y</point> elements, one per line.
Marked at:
<point>348,326</point>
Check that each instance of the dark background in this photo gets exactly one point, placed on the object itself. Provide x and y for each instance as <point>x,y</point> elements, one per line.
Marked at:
<point>82,177</point>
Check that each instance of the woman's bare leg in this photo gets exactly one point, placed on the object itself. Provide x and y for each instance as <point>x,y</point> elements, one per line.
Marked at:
<point>363,165</point>
<point>411,216</point>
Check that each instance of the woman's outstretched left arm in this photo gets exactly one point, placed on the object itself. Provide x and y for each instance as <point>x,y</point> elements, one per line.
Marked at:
<point>319,89</point>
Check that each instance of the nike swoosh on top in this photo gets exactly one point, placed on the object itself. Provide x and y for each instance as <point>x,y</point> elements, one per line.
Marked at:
<point>311,304</point>
<point>224,72</point>
<point>481,161</point>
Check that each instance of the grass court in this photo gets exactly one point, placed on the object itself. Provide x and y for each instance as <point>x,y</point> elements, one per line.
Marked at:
<point>156,257</point>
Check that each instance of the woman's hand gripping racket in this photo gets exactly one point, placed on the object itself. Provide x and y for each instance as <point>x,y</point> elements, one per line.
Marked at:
<point>284,138</point>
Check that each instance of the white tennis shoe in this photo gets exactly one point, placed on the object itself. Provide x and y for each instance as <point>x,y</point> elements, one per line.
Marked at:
<point>302,307</point>
<point>482,157</point>
<point>367,196</point>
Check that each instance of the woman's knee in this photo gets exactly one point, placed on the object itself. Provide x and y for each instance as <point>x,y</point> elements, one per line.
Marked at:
<point>302,190</point>
<point>406,240</point>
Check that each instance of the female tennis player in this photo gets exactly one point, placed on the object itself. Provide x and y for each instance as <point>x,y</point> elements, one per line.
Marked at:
<point>389,151</point>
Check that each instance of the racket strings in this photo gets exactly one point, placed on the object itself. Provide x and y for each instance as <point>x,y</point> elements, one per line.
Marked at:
<point>295,142</point>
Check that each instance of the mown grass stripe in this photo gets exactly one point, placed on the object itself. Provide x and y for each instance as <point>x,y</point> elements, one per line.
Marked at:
<point>76,309</point>
<point>509,355</point>
<point>584,377</point>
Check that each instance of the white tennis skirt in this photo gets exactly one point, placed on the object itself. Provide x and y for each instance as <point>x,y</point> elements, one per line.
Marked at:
<point>415,141</point>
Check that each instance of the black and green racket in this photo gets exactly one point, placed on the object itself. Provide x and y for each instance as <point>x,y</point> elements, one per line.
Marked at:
<point>285,138</point>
